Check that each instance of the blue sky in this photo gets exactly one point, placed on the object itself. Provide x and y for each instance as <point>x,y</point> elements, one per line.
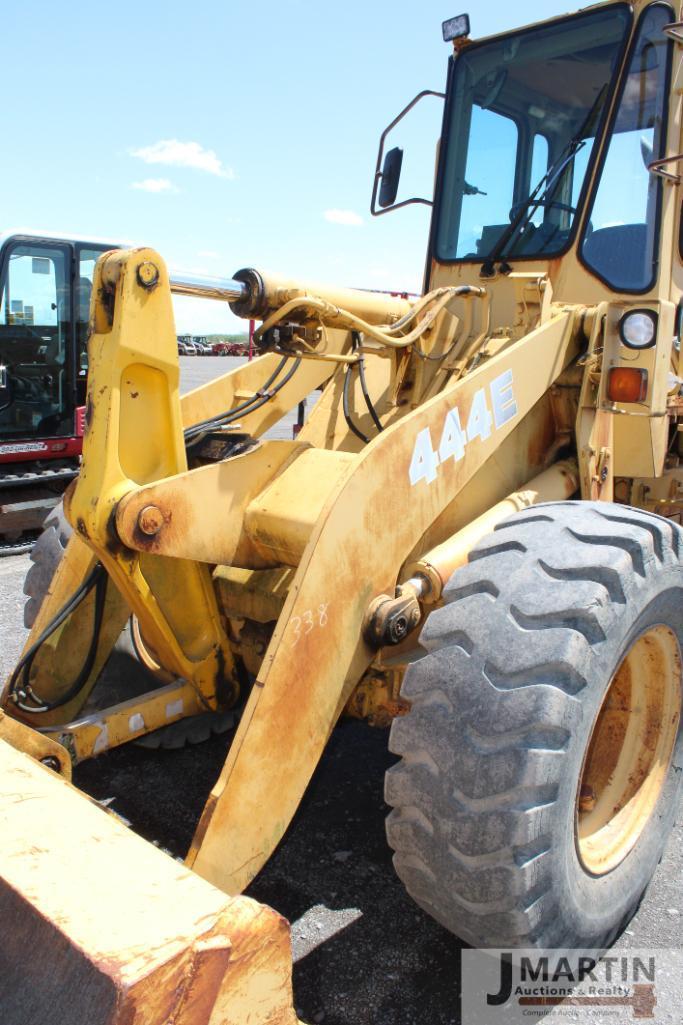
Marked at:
<point>228,134</point>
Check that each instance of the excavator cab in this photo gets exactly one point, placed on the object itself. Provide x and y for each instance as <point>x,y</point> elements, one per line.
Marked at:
<point>45,287</point>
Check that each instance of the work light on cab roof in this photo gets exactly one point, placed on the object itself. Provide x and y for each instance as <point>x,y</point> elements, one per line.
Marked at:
<point>456,28</point>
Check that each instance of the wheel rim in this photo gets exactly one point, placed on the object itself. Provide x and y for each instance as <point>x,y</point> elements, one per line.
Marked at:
<point>630,751</point>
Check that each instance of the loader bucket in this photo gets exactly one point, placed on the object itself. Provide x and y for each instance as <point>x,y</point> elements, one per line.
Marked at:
<point>99,927</point>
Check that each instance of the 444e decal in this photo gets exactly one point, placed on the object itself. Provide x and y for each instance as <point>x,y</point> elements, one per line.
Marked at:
<point>426,460</point>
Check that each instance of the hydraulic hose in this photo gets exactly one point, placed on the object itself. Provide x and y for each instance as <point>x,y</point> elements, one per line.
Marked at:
<point>364,387</point>
<point>263,395</point>
<point>437,301</point>
<point>346,406</point>
<point>19,685</point>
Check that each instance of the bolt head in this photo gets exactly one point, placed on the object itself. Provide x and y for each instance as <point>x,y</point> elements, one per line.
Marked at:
<point>148,274</point>
<point>399,629</point>
<point>587,798</point>
<point>150,520</point>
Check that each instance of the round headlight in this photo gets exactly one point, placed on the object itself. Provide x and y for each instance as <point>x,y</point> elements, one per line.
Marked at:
<point>638,329</point>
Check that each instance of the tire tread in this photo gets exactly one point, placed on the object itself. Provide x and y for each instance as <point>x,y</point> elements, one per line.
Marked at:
<point>495,703</point>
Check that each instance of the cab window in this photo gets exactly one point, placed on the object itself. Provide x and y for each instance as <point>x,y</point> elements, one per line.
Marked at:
<point>620,237</point>
<point>489,186</point>
<point>87,258</point>
<point>524,111</point>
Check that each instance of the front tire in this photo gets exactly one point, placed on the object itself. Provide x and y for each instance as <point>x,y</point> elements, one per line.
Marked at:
<point>541,760</point>
<point>45,556</point>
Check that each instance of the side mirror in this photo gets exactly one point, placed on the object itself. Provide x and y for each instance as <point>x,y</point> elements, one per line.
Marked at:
<point>385,184</point>
<point>391,173</point>
<point>5,391</point>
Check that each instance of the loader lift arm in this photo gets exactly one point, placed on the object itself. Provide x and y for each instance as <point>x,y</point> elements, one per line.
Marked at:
<point>157,527</point>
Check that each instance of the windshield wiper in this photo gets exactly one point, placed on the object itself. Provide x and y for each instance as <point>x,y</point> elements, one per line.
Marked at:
<point>546,184</point>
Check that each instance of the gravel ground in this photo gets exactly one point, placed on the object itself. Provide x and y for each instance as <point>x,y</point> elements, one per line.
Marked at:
<point>364,953</point>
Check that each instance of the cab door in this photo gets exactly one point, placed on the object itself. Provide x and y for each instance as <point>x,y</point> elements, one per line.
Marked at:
<point>36,339</point>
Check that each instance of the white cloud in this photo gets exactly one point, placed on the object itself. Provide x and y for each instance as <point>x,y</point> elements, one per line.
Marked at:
<point>174,153</point>
<point>154,185</point>
<point>347,217</point>
<point>209,254</point>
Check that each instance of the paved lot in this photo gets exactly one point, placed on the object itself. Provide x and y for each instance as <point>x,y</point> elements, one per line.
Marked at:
<point>196,370</point>
<point>365,954</point>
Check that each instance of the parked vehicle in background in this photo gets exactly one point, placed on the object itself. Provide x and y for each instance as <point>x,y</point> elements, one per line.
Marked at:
<point>45,286</point>
<point>196,345</point>
<point>190,344</point>
<point>230,348</point>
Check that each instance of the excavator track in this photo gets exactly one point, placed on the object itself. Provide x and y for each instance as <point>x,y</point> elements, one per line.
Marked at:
<point>19,547</point>
<point>32,478</point>
<point>26,499</point>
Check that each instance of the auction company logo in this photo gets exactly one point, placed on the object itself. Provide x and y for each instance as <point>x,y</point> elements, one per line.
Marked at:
<point>506,987</point>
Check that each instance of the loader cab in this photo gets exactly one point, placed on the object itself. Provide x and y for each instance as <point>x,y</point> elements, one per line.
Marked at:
<point>548,135</point>
<point>45,287</point>
<point>548,138</point>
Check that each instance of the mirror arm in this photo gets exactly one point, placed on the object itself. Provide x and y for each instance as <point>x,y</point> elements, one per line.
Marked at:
<point>674,31</point>
<point>397,206</point>
<point>380,154</point>
<point>657,167</point>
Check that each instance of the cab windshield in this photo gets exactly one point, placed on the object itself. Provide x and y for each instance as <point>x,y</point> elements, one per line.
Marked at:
<point>524,113</point>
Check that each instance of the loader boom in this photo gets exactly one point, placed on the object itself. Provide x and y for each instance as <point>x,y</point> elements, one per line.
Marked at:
<point>320,629</point>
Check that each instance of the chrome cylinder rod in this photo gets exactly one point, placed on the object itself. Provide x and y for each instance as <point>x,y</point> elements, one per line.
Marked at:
<point>226,289</point>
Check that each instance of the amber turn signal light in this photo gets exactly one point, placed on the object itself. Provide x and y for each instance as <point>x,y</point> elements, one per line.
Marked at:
<point>626,384</point>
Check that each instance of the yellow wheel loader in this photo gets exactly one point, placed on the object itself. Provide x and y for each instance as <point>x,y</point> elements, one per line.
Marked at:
<point>475,538</point>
